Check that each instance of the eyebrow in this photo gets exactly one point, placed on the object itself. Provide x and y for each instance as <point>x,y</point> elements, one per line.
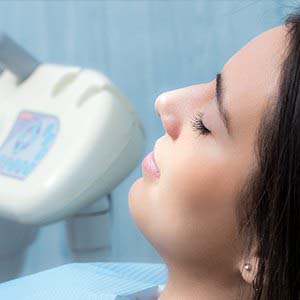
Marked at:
<point>220,90</point>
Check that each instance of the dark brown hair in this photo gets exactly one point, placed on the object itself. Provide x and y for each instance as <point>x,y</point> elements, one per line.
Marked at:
<point>269,210</point>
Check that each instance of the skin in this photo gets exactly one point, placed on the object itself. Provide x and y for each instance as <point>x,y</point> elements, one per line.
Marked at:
<point>188,213</point>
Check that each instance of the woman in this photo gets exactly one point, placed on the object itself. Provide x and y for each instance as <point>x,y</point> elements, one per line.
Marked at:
<point>222,206</point>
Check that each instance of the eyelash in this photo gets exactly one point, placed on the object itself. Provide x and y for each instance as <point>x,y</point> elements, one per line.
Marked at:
<point>198,125</point>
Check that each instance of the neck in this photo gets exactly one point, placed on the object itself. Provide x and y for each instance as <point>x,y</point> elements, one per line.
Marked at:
<point>186,283</point>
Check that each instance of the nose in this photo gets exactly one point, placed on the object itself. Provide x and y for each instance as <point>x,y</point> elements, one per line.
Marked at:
<point>167,110</point>
<point>177,106</point>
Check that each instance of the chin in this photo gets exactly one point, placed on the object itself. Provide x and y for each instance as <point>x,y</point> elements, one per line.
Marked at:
<point>137,201</point>
<point>134,195</point>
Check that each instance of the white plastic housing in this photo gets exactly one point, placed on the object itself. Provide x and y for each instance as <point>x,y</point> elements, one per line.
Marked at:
<point>99,141</point>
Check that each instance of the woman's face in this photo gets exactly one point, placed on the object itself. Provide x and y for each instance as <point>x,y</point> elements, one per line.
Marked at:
<point>188,213</point>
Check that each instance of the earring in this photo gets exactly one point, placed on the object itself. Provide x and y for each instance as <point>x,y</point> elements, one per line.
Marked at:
<point>247,266</point>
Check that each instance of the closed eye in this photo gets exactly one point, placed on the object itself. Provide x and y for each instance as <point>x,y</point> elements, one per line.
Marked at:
<point>197,124</point>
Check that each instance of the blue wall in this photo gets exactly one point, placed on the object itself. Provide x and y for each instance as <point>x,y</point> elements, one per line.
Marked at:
<point>145,47</point>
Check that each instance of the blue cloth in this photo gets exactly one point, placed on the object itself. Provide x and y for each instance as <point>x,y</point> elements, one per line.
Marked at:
<point>89,281</point>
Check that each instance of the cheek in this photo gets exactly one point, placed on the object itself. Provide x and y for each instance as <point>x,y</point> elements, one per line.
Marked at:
<point>194,204</point>
<point>200,180</point>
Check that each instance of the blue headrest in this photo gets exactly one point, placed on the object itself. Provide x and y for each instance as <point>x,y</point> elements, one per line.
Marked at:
<point>87,281</point>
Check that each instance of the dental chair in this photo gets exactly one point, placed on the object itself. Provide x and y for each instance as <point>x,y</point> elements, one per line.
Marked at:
<point>90,281</point>
<point>68,137</point>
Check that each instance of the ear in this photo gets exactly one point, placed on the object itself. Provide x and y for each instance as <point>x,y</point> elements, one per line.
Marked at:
<point>249,268</point>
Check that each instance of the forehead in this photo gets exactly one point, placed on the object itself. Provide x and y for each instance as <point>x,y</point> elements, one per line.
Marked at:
<point>251,78</point>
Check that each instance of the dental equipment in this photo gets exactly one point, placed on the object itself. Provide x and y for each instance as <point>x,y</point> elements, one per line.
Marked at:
<point>67,137</point>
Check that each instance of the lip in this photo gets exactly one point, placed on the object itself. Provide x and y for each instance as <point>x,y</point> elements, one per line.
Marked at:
<point>149,166</point>
<point>155,155</point>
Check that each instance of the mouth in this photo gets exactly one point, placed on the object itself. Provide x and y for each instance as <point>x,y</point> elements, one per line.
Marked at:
<point>155,156</point>
<point>149,165</point>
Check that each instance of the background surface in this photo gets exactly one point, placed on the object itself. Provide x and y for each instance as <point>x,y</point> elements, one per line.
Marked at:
<point>145,47</point>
